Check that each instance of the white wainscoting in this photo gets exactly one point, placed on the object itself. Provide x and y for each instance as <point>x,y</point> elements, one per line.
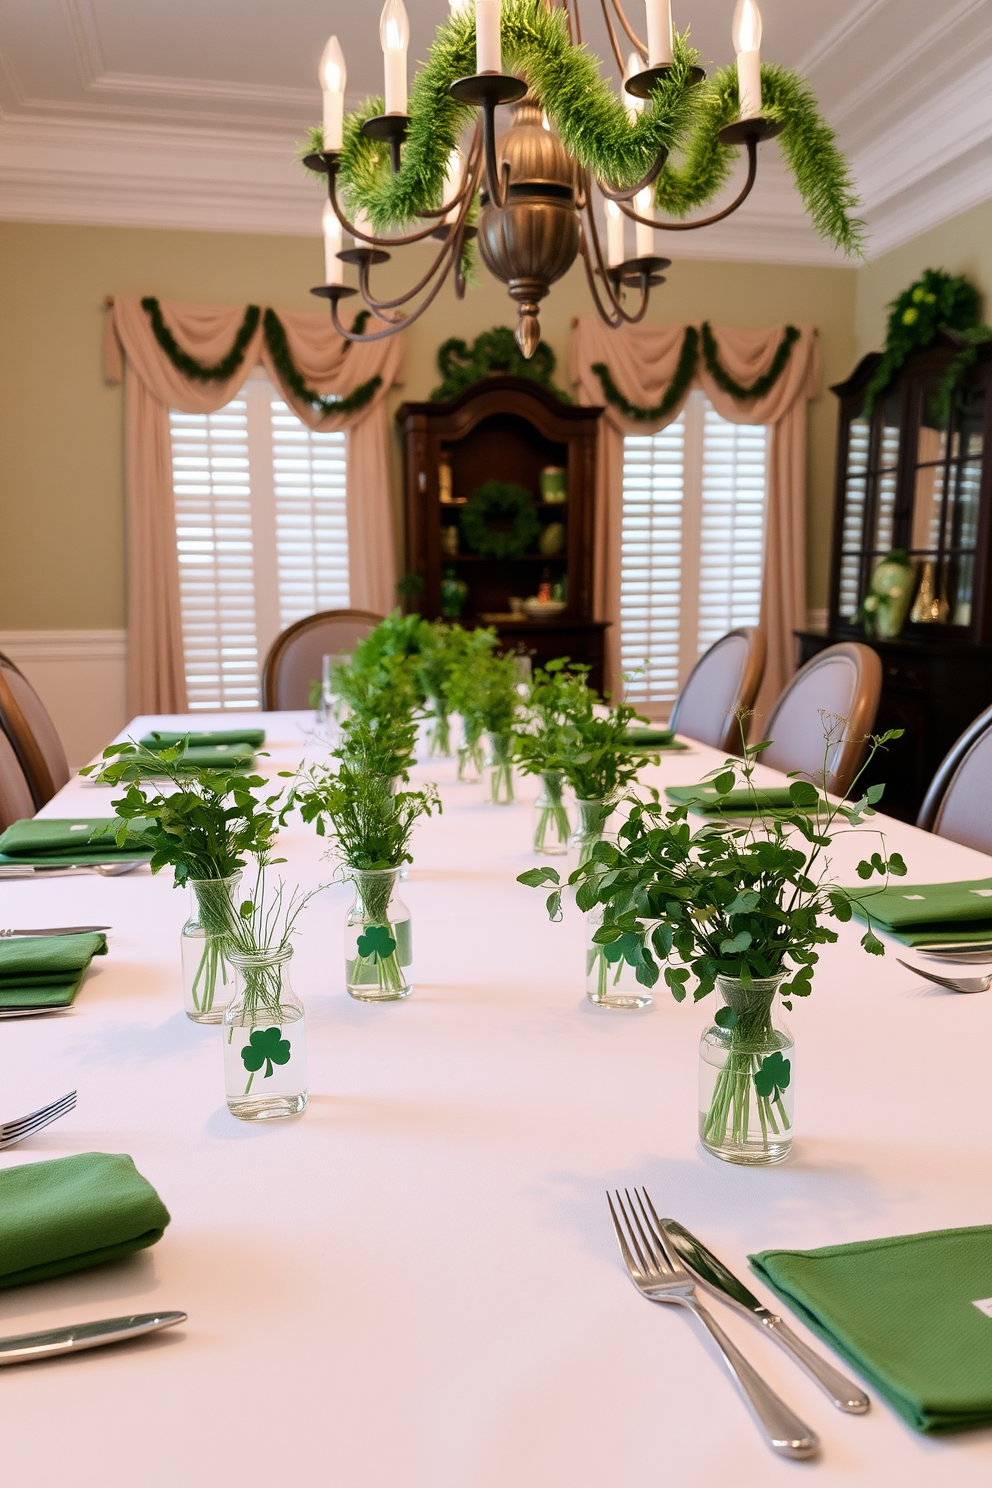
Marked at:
<point>79,676</point>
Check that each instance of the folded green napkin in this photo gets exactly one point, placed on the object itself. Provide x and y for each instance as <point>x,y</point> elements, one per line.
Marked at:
<point>45,841</point>
<point>206,757</point>
<point>930,914</point>
<point>46,970</point>
<point>74,1212</point>
<point>903,1312</point>
<point>165,739</point>
<point>653,738</point>
<point>742,802</point>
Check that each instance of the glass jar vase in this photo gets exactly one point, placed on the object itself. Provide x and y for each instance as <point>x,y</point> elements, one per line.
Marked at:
<point>592,827</point>
<point>265,1039</point>
<point>551,825</point>
<point>208,980</point>
<point>746,1075</point>
<point>378,938</point>
<point>499,790</point>
<point>611,981</point>
<point>439,739</point>
<point>471,755</point>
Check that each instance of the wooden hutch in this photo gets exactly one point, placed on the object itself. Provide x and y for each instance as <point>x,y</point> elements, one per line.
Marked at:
<point>918,478</point>
<point>508,429</point>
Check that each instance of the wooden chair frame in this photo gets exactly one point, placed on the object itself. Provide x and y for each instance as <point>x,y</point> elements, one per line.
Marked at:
<point>747,691</point>
<point>863,711</point>
<point>23,741</point>
<point>948,770</point>
<point>270,671</point>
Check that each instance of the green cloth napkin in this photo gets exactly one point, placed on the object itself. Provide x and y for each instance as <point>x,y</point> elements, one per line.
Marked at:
<point>46,970</point>
<point>206,757</point>
<point>742,802</point>
<point>164,739</point>
<point>74,1212</point>
<point>930,914</point>
<point>654,738</point>
<point>46,841</point>
<point>903,1312</point>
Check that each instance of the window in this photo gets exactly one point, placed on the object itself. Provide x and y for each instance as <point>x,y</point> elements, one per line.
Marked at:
<point>261,535</point>
<point>692,544</point>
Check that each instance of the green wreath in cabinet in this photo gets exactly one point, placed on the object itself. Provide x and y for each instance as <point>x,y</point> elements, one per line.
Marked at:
<point>508,505</point>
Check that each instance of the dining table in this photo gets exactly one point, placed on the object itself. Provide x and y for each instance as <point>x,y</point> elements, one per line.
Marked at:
<point>416,1282</point>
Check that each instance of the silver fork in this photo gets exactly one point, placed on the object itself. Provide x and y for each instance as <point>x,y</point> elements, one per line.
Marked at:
<point>953,984</point>
<point>659,1275</point>
<point>12,1132</point>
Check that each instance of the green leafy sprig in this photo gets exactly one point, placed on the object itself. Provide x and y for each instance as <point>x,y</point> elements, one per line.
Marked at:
<point>933,302</point>
<point>372,824</point>
<point>559,691</point>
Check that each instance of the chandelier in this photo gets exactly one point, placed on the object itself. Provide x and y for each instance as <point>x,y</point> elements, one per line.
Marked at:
<point>402,172</point>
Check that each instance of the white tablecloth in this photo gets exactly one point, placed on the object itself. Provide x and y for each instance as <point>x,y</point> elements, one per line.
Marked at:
<point>417,1283</point>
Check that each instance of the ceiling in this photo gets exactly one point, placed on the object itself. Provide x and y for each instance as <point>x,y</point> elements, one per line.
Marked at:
<point>186,113</point>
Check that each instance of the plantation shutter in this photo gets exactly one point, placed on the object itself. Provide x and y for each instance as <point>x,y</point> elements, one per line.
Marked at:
<point>261,535</point>
<point>692,548</point>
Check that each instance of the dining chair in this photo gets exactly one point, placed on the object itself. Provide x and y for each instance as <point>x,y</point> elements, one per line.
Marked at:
<point>835,694</point>
<point>295,657</point>
<point>15,796</point>
<point>32,734</point>
<point>958,804</point>
<point>724,680</point>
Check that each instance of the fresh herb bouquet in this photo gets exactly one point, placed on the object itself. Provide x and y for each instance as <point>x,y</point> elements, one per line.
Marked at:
<point>555,688</point>
<point>442,646</point>
<point>464,696</point>
<point>598,762</point>
<point>204,828</point>
<point>496,706</point>
<point>372,825</point>
<point>737,908</point>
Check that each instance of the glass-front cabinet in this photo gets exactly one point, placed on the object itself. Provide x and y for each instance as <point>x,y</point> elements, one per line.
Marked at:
<point>913,478</point>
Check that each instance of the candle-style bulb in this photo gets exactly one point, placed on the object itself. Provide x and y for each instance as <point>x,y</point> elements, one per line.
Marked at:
<point>614,234</point>
<point>631,104</point>
<point>644,234</point>
<point>394,33</point>
<point>333,267</point>
<point>488,39</point>
<point>459,7</point>
<point>658,14</point>
<point>746,27</point>
<point>333,75</point>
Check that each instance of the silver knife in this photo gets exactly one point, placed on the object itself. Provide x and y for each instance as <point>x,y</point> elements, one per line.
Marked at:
<point>714,1274</point>
<point>28,1347</point>
<point>56,930</point>
<point>108,870</point>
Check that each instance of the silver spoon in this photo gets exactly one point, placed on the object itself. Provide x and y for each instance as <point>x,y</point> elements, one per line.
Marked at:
<point>953,984</point>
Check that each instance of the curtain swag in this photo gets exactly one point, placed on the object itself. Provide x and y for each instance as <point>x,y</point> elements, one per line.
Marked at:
<point>688,365</point>
<point>275,339</point>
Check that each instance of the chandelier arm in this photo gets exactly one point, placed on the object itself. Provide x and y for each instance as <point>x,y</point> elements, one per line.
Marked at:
<point>496,181</point>
<point>400,324</point>
<point>668,226</point>
<point>620,316</point>
<point>613,317</point>
<point>638,43</point>
<point>364,237</point>
<point>614,43</point>
<point>630,192</point>
<point>475,146</point>
<point>439,267</point>
<point>578,21</point>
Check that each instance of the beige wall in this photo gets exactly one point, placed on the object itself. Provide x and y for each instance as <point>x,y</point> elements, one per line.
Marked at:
<point>60,425</point>
<point>961,246</point>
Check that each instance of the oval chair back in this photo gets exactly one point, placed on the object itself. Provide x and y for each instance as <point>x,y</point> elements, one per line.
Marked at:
<point>295,658</point>
<point>843,682</point>
<point>958,804</point>
<point>32,734</point>
<point>725,679</point>
<point>15,795</point>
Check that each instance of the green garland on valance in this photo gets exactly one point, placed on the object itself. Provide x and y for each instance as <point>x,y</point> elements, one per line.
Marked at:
<point>686,371</point>
<point>275,339</point>
<point>593,122</point>
<point>492,353</point>
<point>189,366</point>
<point>761,385</point>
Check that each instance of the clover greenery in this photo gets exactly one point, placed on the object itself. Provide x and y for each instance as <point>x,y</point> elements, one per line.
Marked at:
<point>747,901</point>
<point>559,692</point>
<point>207,824</point>
<point>372,824</point>
<point>380,738</point>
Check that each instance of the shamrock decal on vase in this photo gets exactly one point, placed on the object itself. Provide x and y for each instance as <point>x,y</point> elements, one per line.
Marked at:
<point>773,1075</point>
<point>376,943</point>
<point>265,1046</point>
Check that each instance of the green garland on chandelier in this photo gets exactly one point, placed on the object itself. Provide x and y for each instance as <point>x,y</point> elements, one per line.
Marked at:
<point>275,339</point>
<point>934,302</point>
<point>595,127</point>
<point>676,390</point>
<point>492,353</point>
<point>686,370</point>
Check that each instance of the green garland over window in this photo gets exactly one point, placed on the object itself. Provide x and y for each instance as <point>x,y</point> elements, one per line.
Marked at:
<point>492,353</point>
<point>275,339</point>
<point>189,366</point>
<point>761,385</point>
<point>686,371</point>
<point>934,302</point>
<point>594,125</point>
